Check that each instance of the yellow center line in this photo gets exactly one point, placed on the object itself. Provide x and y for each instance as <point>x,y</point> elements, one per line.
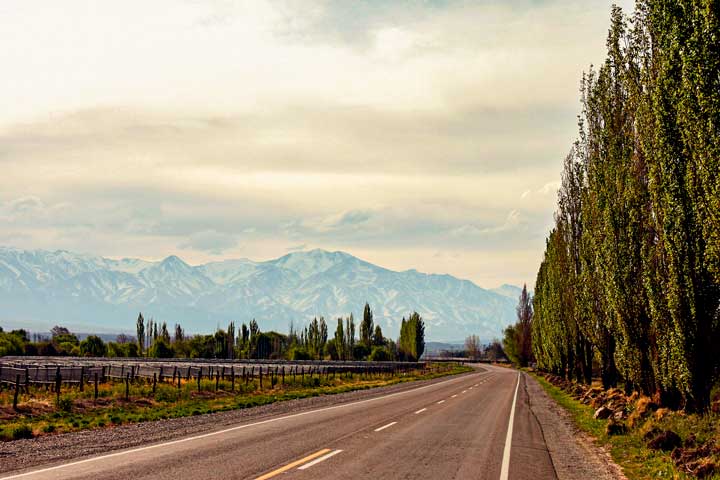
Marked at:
<point>294,464</point>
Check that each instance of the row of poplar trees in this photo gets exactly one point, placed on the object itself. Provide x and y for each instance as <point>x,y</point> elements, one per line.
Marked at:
<point>631,272</point>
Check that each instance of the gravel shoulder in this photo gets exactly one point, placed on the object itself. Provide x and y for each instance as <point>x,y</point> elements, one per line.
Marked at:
<point>574,454</point>
<point>52,449</point>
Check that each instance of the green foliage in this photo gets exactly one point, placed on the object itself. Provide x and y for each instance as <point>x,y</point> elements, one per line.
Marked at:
<point>93,346</point>
<point>298,353</point>
<point>11,344</point>
<point>511,343</point>
<point>412,338</point>
<point>161,348</point>
<point>64,404</point>
<point>367,326</point>
<point>380,354</point>
<point>631,270</point>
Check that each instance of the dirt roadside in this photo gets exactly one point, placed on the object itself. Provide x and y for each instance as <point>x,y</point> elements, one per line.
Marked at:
<point>574,454</point>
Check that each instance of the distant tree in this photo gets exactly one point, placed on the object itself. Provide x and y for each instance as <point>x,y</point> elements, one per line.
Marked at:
<point>366,326</point>
<point>122,338</point>
<point>11,344</point>
<point>263,346</point>
<point>472,347</point>
<point>323,336</point>
<point>93,346</point>
<point>511,343</point>
<point>164,333</point>
<point>377,339</point>
<point>380,354</point>
<point>231,340</point>
<point>412,338</point>
<point>349,336</point>
<point>494,351</point>
<point>340,340</point>
<point>57,330</point>
<point>524,328</point>
<point>179,333</point>
<point>140,328</point>
<point>161,348</point>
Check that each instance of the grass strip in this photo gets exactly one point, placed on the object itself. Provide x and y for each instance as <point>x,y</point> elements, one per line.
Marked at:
<point>627,450</point>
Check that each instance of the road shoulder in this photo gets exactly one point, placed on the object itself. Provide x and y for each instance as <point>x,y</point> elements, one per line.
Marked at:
<point>574,454</point>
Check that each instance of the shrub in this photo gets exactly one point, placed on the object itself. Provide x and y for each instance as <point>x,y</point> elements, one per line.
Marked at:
<point>22,431</point>
<point>380,354</point>
<point>64,404</point>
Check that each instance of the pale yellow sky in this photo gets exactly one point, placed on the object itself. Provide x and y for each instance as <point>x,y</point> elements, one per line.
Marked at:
<point>423,134</point>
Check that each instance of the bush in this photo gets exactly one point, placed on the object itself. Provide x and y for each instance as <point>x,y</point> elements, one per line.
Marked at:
<point>298,353</point>
<point>22,431</point>
<point>161,349</point>
<point>10,344</point>
<point>380,354</point>
<point>93,346</point>
<point>64,404</point>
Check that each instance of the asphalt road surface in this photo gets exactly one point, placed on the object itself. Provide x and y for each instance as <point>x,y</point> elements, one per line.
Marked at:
<point>472,426</point>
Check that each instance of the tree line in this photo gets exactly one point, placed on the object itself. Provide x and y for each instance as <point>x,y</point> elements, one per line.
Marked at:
<point>630,275</point>
<point>312,342</point>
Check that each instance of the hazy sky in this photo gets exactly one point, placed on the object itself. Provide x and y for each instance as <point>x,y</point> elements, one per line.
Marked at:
<point>414,134</point>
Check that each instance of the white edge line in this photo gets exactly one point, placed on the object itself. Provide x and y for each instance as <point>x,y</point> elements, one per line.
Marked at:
<point>453,396</point>
<point>318,460</point>
<point>505,469</point>
<point>420,411</point>
<point>441,401</point>
<point>385,426</point>
<point>220,432</point>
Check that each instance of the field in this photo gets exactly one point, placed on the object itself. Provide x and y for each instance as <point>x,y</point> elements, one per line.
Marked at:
<point>45,396</point>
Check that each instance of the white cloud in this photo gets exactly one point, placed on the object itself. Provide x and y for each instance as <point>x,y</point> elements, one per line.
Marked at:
<point>134,127</point>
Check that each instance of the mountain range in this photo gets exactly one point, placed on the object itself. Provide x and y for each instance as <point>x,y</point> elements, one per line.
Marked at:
<point>39,289</point>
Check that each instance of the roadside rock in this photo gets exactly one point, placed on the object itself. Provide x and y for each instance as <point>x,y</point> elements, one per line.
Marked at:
<point>667,440</point>
<point>615,427</point>
<point>603,413</point>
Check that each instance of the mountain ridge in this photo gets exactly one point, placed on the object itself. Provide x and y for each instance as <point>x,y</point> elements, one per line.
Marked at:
<point>42,287</point>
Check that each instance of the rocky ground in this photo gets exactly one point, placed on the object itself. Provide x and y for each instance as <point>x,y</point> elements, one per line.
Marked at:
<point>691,440</point>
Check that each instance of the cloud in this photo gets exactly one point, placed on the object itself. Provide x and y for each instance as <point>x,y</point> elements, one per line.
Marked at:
<point>512,222</point>
<point>210,241</point>
<point>381,128</point>
<point>550,187</point>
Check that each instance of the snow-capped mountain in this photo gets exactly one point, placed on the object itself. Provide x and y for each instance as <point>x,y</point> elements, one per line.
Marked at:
<point>47,288</point>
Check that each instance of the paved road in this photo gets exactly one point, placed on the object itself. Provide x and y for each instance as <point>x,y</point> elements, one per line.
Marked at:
<point>454,429</point>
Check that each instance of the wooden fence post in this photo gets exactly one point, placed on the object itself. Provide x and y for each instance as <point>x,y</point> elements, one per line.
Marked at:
<point>82,378</point>
<point>261,386</point>
<point>58,382</point>
<point>232,381</point>
<point>96,386</point>
<point>154,382</point>
<point>217,380</point>
<point>127,386</point>
<point>199,376</point>
<point>17,391</point>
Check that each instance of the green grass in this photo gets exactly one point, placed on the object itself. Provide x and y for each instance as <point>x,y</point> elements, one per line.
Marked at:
<point>629,450</point>
<point>41,414</point>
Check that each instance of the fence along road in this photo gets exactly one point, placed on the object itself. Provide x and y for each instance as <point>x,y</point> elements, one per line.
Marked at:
<point>457,435</point>
<point>76,370</point>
